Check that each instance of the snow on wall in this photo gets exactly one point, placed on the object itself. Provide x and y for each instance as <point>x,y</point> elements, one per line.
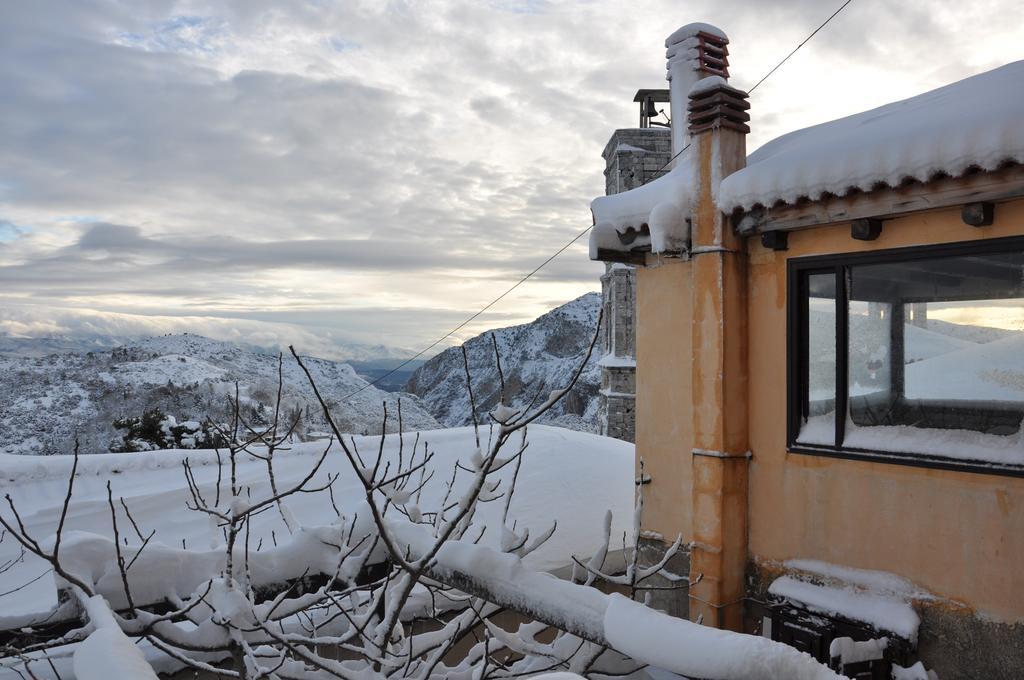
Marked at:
<point>565,475</point>
<point>975,122</point>
<point>612,361</point>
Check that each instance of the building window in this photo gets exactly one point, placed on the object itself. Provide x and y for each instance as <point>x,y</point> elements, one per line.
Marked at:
<point>913,356</point>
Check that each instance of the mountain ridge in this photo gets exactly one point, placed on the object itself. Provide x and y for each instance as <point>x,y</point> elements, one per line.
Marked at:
<point>536,357</point>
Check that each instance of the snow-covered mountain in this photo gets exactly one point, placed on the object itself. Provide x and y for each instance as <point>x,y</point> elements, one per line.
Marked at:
<point>536,358</point>
<point>46,400</point>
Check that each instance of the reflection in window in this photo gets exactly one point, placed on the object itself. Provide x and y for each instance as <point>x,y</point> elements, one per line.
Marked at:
<point>820,409</point>
<point>909,366</point>
<point>870,348</point>
<point>930,348</point>
<point>965,350</point>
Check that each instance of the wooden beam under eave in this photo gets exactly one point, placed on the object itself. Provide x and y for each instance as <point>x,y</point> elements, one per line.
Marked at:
<point>993,187</point>
<point>622,256</point>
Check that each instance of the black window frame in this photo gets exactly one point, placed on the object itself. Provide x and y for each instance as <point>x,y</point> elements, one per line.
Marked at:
<point>797,354</point>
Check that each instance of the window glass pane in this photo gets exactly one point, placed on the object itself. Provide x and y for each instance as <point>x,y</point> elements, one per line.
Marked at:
<point>818,426</point>
<point>936,356</point>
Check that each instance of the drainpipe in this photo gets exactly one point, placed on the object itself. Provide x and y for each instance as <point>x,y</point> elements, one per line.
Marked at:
<point>716,126</point>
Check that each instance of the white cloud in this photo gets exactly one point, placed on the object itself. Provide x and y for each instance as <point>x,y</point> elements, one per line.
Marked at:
<point>386,168</point>
<point>115,328</point>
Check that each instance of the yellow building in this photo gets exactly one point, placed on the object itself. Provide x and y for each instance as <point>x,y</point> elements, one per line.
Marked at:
<point>830,365</point>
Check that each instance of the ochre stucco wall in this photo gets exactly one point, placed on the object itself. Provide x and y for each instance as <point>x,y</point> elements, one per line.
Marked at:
<point>959,535</point>
<point>663,405</point>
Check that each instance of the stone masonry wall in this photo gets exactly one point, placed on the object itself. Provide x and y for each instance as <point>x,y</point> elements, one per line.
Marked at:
<point>632,157</point>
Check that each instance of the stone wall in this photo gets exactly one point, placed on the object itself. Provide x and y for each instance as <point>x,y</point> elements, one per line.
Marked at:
<point>632,157</point>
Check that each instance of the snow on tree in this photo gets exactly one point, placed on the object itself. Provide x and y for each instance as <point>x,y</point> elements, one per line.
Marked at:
<point>400,587</point>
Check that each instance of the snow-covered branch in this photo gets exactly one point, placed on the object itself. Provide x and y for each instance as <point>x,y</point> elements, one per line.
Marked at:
<point>401,584</point>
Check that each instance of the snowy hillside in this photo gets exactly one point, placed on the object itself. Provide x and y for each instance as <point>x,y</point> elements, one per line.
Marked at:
<point>990,371</point>
<point>535,357</point>
<point>46,400</point>
<point>925,343</point>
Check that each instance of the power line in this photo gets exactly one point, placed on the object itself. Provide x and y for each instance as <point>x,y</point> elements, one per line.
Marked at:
<point>467,321</point>
<point>677,154</point>
<point>578,236</point>
<point>813,33</point>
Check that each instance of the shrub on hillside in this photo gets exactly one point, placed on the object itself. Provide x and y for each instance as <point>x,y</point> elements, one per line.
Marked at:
<point>156,430</point>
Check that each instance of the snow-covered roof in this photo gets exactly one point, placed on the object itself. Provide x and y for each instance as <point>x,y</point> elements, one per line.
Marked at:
<point>974,123</point>
<point>653,214</point>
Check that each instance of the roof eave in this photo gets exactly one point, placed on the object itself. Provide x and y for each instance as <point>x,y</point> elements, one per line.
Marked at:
<point>884,201</point>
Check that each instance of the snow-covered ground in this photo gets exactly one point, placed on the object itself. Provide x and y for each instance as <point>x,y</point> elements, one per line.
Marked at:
<point>568,477</point>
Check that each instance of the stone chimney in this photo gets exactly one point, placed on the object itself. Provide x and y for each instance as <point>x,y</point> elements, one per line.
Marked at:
<point>633,157</point>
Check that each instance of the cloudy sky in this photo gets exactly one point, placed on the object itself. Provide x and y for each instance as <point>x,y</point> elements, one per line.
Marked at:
<point>331,171</point>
